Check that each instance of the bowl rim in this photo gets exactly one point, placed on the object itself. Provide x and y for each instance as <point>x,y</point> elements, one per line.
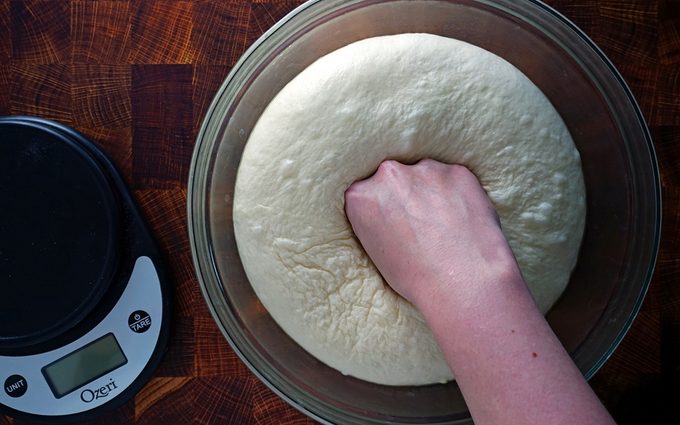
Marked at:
<point>206,269</point>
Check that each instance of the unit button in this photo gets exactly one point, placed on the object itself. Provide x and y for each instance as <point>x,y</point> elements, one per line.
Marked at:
<point>16,386</point>
<point>139,321</point>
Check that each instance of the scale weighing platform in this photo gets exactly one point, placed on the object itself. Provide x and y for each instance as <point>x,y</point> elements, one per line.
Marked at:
<point>84,307</point>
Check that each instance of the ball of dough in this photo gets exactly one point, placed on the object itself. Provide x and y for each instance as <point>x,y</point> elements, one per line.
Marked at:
<point>403,97</point>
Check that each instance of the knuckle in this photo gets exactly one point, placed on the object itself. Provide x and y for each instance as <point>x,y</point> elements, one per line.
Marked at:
<point>359,193</point>
<point>388,166</point>
<point>430,165</point>
<point>354,192</point>
<point>428,162</point>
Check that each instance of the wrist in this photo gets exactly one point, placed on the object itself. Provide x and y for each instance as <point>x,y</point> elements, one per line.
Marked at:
<point>470,297</point>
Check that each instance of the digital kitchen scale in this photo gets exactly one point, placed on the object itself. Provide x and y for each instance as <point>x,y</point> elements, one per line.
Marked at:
<point>84,307</point>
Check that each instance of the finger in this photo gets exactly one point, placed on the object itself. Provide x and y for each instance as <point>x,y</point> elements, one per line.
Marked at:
<point>359,201</point>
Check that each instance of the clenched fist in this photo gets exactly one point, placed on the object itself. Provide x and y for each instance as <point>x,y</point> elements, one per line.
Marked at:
<point>428,226</point>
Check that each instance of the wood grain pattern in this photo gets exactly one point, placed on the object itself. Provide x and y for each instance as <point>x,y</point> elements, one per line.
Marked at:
<point>668,96</point>
<point>164,168</point>
<point>161,32</point>
<point>5,40</point>
<point>267,409</point>
<point>40,31</point>
<point>217,359</point>
<point>5,102</point>
<point>207,79</point>
<point>116,141</point>
<point>155,390</point>
<point>220,32</point>
<point>161,96</point>
<point>43,90</point>
<point>101,95</point>
<point>137,77</point>
<point>102,31</point>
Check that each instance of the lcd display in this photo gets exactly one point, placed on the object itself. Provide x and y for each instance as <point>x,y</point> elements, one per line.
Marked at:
<point>84,365</point>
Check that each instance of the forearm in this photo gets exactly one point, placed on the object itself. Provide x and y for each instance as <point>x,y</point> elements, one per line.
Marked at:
<point>507,361</point>
<point>434,235</point>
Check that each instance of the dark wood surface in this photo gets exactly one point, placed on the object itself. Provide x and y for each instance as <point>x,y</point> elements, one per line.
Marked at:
<point>137,78</point>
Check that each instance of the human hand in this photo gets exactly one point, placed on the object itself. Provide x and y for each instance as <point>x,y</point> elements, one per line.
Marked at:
<point>435,237</point>
<point>427,227</point>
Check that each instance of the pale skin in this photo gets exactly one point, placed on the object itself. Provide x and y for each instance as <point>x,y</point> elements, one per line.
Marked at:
<point>435,237</point>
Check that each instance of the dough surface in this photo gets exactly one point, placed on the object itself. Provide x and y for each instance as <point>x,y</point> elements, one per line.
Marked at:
<point>404,97</point>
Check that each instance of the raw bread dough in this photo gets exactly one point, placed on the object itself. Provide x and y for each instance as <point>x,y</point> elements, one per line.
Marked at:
<point>403,97</point>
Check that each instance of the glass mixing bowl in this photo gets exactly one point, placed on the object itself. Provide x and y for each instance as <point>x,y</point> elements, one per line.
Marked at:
<point>622,182</point>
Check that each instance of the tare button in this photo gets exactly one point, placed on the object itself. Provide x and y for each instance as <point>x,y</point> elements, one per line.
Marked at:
<point>139,321</point>
<point>16,386</point>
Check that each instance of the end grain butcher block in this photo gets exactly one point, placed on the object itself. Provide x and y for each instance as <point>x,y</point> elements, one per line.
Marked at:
<point>137,78</point>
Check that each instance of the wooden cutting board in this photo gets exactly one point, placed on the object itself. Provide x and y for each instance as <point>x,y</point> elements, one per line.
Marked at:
<point>137,78</point>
